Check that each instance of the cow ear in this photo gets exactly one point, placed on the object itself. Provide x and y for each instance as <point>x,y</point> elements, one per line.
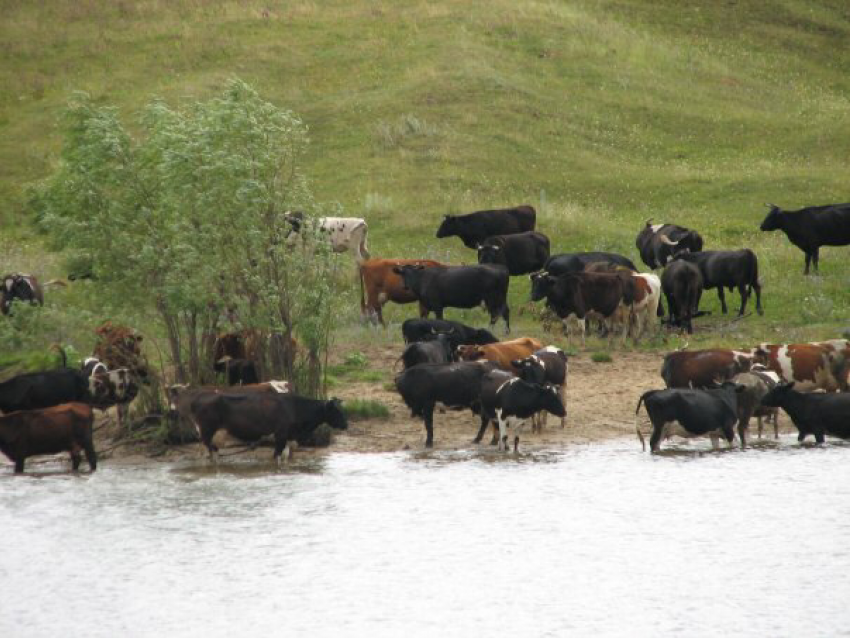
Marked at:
<point>9,283</point>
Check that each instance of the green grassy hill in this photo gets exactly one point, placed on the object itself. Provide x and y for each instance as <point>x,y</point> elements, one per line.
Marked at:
<point>600,113</point>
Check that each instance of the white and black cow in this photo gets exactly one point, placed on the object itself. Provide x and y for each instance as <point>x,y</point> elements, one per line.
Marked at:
<point>343,233</point>
<point>19,286</point>
<point>659,243</point>
<point>521,253</point>
<point>810,228</point>
<point>813,413</point>
<point>691,413</point>
<point>474,228</point>
<point>121,386</point>
<point>546,366</point>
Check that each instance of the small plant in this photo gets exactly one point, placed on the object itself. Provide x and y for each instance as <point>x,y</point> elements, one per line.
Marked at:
<point>365,409</point>
<point>355,360</point>
<point>601,357</point>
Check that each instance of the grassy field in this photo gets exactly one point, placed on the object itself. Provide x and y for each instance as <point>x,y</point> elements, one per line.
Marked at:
<point>599,113</point>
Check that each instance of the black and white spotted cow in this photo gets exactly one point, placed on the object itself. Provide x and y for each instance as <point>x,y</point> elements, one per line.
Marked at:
<point>343,233</point>
<point>548,365</point>
<point>19,286</point>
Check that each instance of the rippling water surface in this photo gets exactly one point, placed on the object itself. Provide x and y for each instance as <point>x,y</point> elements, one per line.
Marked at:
<point>596,540</point>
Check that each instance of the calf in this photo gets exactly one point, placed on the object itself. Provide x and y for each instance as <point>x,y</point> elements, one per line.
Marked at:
<point>682,284</point>
<point>510,401</point>
<point>567,263</point>
<point>22,287</point>
<point>660,243</point>
<point>424,329</point>
<point>381,285</point>
<point>691,413</point>
<point>728,269</point>
<point>62,428</point>
<point>438,350</point>
<point>251,416</point>
<point>441,287</point>
<point>703,368</point>
<point>474,228</point>
<point>813,366</point>
<point>756,384</point>
<point>455,385</point>
<point>546,366</point>
<point>521,253</point>
<point>810,228</point>
<point>502,353</point>
<point>343,233</point>
<point>817,414</point>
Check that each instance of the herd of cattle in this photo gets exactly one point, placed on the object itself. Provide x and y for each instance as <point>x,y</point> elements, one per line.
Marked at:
<point>446,363</point>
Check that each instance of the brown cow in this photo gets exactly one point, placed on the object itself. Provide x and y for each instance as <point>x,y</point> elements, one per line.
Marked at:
<point>66,427</point>
<point>811,366</point>
<point>703,368</point>
<point>502,353</point>
<point>382,285</point>
<point>120,347</point>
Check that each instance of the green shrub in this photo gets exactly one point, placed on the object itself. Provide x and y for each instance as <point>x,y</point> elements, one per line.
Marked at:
<point>365,409</point>
<point>601,357</point>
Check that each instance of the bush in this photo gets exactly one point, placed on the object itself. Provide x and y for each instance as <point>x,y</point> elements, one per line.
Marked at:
<point>365,409</point>
<point>601,357</point>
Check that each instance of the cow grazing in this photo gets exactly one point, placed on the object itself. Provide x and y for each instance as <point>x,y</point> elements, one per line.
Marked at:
<point>660,243</point>
<point>440,287</point>
<point>251,416</point>
<point>19,286</point>
<point>437,350</point>
<point>812,366</point>
<point>598,295</point>
<point>474,228</point>
<point>728,269</point>
<point>756,383</point>
<point>343,233</point>
<point>817,414</point>
<point>546,366</point>
<point>424,329</point>
<point>682,284</point>
<point>502,353</point>
<point>566,263</point>
<point>61,428</point>
<point>691,413</point>
<point>381,285</point>
<point>521,253</point>
<point>511,401</point>
<point>703,368</point>
<point>455,385</point>
<point>36,390</point>
<point>810,228</point>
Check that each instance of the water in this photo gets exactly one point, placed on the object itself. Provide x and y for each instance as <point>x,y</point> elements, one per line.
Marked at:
<point>595,540</point>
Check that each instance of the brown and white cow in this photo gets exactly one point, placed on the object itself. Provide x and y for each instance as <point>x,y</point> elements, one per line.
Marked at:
<point>703,368</point>
<point>644,310</point>
<point>502,353</point>
<point>381,285</point>
<point>811,366</point>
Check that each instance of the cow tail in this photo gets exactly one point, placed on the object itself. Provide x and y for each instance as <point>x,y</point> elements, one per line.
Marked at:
<point>62,354</point>
<point>637,425</point>
<point>362,296</point>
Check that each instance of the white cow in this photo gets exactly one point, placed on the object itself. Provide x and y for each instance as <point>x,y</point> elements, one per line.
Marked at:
<point>344,233</point>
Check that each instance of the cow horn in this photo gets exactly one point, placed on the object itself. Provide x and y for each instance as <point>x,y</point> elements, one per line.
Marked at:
<point>664,239</point>
<point>647,222</point>
<point>684,347</point>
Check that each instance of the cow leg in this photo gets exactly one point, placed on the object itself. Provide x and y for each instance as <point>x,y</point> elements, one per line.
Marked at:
<point>482,429</point>
<point>743,290</point>
<point>562,391</point>
<point>438,313</point>
<point>283,456</point>
<point>760,425</point>
<point>776,425</point>
<point>816,259</point>
<point>506,315</point>
<point>715,441</point>
<point>423,311</point>
<point>757,290</point>
<point>91,455</point>
<point>819,438</point>
<point>583,328</point>
<point>428,414</point>
<point>655,439</point>
<point>808,261</point>
<point>76,459</point>
<point>722,297</point>
<point>503,431</point>
<point>19,465</point>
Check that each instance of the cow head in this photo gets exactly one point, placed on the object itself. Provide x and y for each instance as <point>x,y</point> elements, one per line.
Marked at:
<point>542,284</point>
<point>550,400</point>
<point>334,416</point>
<point>529,369</point>
<point>16,286</point>
<point>774,218</point>
<point>410,275</point>
<point>492,254</point>
<point>448,228</point>
<point>173,392</point>
<point>777,395</point>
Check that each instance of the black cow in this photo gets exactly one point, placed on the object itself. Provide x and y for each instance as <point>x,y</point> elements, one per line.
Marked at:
<point>522,253</point>
<point>238,371</point>
<point>659,243</point>
<point>691,413</point>
<point>437,350</point>
<point>548,365</point>
<point>566,263</point>
<point>682,285</point>
<point>19,286</point>
<point>813,413</point>
<point>510,401</point>
<point>439,287</point>
<point>251,416</point>
<point>455,385</point>
<point>35,390</point>
<point>810,228</point>
<point>474,228</point>
<point>424,329</point>
<point>728,269</point>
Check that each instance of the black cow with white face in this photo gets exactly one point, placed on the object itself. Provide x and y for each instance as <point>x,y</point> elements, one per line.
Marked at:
<point>660,243</point>
<point>546,366</point>
<point>812,413</point>
<point>810,228</point>
<point>728,269</point>
<point>691,413</point>
<point>474,228</point>
<point>22,287</point>
<point>440,287</point>
<point>567,263</point>
<point>521,254</point>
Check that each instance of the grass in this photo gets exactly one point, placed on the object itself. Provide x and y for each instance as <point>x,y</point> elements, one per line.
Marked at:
<point>600,113</point>
<point>365,409</point>
<point>601,357</point>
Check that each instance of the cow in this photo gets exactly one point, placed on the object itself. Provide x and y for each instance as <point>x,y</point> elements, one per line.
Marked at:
<point>437,350</point>
<point>646,298</point>
<point>756,383</point>
<point>521,253</point>
<point>728,269</point>
<point>120,384</point>
<point>474,228</point>
<point>682,284</point>
<point>546,366</point>
<point>810,228</point>
<point>817,414</point>
<point>510,401</point>
<point>813,366</point>
<point>703,368</point>
<point>120,347</point>
<point>660,243</point>
<point>343,233</point>
<point>251,416</point>
<point>769,413</point>
<point>61,428</point>
<point>455,385</point>
<point>566,263</point>
<point>19,286</point>
<point>691,413</point>
<point>440,287</point>
<point>502,353</point>
<point>239,371</point>
<point>48,388</point>
<point>381,285</point>
<point>424,329</point>
<point>585,294</point>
